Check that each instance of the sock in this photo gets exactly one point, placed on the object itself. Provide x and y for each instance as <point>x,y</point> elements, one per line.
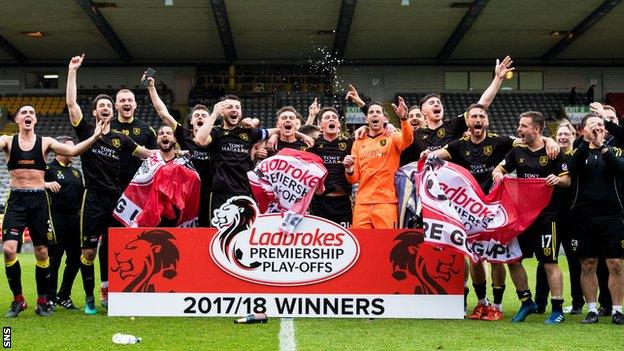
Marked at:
<point>615,309</point>
<point>88,275</point>
<point>592,307</point>
<point>557,304</point>
<point>103,257</point>
<point>524,296</point>
<point>498,306</point>
<point>14,276</point>
<point>104,285</point>
<point>42,277</point>
<point>479,289</point>
<point>498,292</point>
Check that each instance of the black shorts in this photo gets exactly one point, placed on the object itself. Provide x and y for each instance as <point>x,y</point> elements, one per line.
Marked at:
<point>336,209</point>
<point>28,208</point>
<point>204,214</point>
<point>67,228</point>
<point>599,237</point>
<point>541,240</point>
<point>96,216</point>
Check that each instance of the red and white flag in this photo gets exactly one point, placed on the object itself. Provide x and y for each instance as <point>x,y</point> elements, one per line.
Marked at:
<point>457,213</point>
<point>160,189</point>
<point>286,183</point>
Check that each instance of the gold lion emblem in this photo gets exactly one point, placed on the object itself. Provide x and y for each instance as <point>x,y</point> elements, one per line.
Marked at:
<point>441,133</point>
<point>342,146</point>
<point>136,131</point>
<point>244,136</point>
<point>487,150</point>
<point>543,160</point>
<point>547,251</point>
<point>382,142</point>
<point>116,142</point>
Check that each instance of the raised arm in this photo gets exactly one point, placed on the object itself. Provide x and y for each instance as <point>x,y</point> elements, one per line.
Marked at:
<point>313,110</point>
<point>500,70</point>
<point>76,150</point>
<point>159,105</point>
<point>72,91</point>
<point>202,136</point>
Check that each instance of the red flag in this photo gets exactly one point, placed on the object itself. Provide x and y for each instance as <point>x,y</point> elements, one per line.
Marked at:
<point>160,189</point>
<point>456,212</point>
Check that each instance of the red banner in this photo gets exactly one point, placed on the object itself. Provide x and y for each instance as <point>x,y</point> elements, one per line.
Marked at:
<point>321,270</point>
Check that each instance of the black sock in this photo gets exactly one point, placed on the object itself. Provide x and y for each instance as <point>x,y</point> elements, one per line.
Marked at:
<point>498,292</point>
<point>466,291</point>
<point>557,305</point>
<point>524,296</point>
<point>42,277</point>
<point>14,276</point>
<point>103,257</point>
<point>88,275</point>
<point>480,290</point>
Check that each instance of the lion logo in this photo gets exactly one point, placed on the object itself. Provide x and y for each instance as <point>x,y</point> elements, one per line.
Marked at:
<point>342,146</point>
<point>159,257</point>
<point>408,258</point>
<point>233,218</point>
<point>441,133</point>
<point>487,150</point>
<point>136,131</point>
<point>543,160</point>
<point>244,136</point>
<point>116,142</point>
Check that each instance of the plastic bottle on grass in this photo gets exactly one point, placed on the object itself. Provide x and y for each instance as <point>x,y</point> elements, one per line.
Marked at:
<point>125,339</point>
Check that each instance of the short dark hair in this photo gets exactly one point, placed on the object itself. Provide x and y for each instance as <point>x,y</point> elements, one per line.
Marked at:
<point>588,116</point>
<point>63,138</point>
<point>479,106</point>
<point>308,129</point>
<point>536,118</point>
<point>200,107</point>
<point>413,107</point>
<point>289,109</point>
<point>319,115</point>
<point>230,97</point>
<point>383,110</point>
<point>163,126</point>
<point>101,97</point>
<point>19,109</point>
<point>427,97</point>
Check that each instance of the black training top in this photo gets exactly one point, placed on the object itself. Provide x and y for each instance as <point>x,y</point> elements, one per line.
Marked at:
<point>68,200</point>
<point>31,159</point>
<point>102,162</point>
<point>332,153</point>
<point>295,145</point>
<point>200,156</point>
<point>597,182</point>
<point>142,134</point>
<point>231,159</point>
<point>433,139</point>
<point>480,159</point>
<point>535,164</point>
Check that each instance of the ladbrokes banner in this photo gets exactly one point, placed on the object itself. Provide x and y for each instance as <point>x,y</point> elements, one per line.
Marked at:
<point>456,213</point>
<point>247,265</point>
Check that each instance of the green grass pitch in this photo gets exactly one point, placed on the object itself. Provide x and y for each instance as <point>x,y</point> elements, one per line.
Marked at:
<point>72,330</point>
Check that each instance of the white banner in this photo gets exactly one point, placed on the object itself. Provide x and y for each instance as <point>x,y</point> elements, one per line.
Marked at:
<point>286,305</point>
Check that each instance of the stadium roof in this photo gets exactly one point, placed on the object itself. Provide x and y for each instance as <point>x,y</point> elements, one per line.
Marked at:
<point>556,32</point>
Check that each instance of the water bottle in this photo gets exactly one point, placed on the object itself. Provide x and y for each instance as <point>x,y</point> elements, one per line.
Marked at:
<point>125,339</point>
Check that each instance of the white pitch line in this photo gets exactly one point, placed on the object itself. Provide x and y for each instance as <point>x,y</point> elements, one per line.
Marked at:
<point>287,335</point>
